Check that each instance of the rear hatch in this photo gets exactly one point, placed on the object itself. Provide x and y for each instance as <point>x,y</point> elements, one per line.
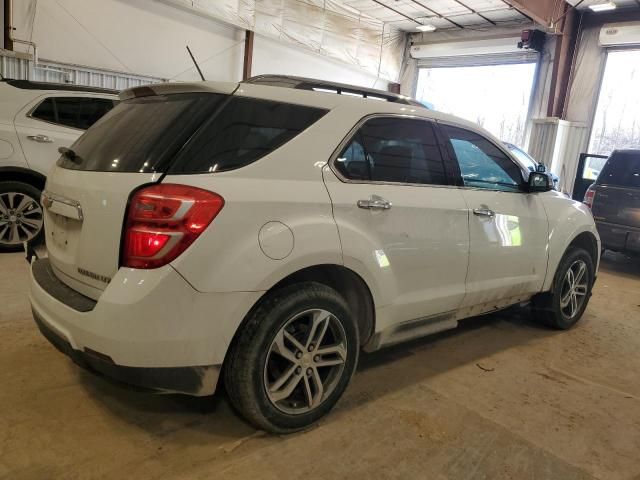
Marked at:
<point>152,132</point>
<point>87,193</point>
<point>617,190</point>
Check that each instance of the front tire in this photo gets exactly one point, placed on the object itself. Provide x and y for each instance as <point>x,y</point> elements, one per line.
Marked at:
<point>21,218</point>
<point>293,358</point>
<point>565,304</point>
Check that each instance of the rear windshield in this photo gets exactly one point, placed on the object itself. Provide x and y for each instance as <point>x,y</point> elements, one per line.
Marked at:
<point>141,134</point>
<point>621,170</point>
<point>188,133</point>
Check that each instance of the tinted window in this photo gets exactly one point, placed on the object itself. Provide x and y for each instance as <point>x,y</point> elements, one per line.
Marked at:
<point>622,170</point>
<point>68,111</point>
<point>74,112</point>
<point>245,130</point>
<point>142,134</point>
<point>45,111</point>
<point>482,164</point>
<point>393,150</point>
<point>81,112</point>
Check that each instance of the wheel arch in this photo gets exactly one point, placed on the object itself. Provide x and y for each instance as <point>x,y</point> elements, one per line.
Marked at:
<point>24,175</point>
<point>344,280</point>
<point>588,241</point>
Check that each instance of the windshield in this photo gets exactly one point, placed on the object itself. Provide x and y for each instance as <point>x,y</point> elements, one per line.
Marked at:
<point>523,157</point>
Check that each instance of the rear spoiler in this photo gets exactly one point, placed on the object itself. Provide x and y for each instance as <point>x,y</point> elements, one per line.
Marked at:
<point>226,88</point>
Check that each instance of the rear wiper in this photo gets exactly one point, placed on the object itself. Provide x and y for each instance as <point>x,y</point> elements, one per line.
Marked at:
<point>70,154</point>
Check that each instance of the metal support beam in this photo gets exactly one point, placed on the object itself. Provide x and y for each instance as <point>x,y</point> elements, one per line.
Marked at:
<point>434,13</point>
<point>542,11</point>
<point>562,62</point>
<point>397,11</point>
<point>476,12</point>
<point>8,43</point>
<point>248,54</point>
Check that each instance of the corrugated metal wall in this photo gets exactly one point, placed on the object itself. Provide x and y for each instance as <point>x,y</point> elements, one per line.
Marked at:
<point>12,66</point>
<point>558,144</point>
<point>21,68</point>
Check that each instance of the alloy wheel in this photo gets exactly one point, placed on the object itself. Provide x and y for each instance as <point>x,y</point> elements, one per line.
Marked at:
<point>574,289</point>
<point>20,218</point>
<point>305,361</point>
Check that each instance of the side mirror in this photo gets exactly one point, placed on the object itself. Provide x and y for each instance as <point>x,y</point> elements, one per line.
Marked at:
<point>539,182</point>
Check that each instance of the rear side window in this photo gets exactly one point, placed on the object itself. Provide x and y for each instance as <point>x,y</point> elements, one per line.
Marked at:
<point>245,130</point>
<point>390,149</point>
<point>621,170</point>
<point>45,111</point>
<point>81,112</point>
<point>74,112</point>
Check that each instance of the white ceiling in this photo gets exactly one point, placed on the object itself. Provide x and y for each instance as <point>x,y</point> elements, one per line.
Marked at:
<point>443,14</point>
<point>452,14</point>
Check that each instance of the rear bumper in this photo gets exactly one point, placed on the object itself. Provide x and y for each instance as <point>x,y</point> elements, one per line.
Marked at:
<point>620,238</point>
<point>149,328</point>
<point>189,380</point>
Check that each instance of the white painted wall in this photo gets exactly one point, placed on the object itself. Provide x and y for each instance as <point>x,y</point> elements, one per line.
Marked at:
<point>272,56</point>
<point>148,37</point>
<point>136,36</point>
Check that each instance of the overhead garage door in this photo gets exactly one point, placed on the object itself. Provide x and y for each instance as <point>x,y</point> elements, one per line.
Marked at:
<point>488,82</point>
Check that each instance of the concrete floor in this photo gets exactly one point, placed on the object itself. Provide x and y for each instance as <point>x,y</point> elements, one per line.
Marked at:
<point>500,397</point>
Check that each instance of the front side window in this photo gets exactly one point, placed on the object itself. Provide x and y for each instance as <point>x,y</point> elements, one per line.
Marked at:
<point>482,164</point>
<point>391,149</point>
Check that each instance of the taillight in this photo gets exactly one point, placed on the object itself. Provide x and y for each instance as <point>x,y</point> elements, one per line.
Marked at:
<point>589,196</point>
<point>163,220</point>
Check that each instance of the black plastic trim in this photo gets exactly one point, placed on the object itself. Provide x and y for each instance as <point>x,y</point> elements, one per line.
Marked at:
<point>44,276</point>
<point>26,172</point>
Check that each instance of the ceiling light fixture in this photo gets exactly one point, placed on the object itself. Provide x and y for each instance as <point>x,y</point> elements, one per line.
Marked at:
<point>603,7</point>
<point>426,28</point>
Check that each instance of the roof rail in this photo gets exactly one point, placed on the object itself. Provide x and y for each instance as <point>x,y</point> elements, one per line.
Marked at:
<point>30,85</point>
<point>302,83</point>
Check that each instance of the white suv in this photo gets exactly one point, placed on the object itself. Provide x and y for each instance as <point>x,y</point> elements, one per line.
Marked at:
<point>270,233</point>
<point>35,120</point>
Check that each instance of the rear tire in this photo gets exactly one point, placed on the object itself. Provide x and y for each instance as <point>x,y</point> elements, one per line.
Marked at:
<point>565,304</point>
<point>21,217</point>
<point>292,358</point>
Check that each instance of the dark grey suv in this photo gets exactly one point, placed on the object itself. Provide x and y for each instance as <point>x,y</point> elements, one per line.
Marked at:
<point>614,199</point>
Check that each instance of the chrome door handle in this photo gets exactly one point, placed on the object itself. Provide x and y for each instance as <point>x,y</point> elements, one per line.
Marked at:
<point>484,212</point>
<point>375,203</point>
<point>40,138</point>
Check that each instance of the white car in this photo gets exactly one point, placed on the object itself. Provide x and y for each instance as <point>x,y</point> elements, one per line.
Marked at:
<point>273,232</point>
<point>35,120</point>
